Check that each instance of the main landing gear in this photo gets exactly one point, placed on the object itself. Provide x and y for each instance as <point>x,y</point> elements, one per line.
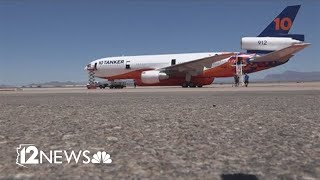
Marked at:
<point>191,85</point>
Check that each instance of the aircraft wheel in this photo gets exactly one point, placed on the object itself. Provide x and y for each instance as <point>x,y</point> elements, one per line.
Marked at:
<point>192,85</point>
<point>185,85</point>
<point>199,86</point>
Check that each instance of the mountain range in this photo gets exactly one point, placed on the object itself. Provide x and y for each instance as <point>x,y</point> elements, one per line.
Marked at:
<point>290,76</point>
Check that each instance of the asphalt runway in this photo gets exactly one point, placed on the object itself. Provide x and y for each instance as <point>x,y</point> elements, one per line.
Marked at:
<point>270,131</point>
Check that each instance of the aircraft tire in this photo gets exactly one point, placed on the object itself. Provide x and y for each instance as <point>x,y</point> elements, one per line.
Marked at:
<point>192,85</point>
<point>185,85</point>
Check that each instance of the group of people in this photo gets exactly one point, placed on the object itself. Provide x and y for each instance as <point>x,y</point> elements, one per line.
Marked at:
<point>237,80</point>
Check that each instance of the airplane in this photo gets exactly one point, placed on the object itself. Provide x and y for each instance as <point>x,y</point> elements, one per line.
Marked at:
<point>274,46</point>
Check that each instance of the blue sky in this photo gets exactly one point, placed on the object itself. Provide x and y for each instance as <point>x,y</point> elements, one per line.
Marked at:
<point>49,40</point>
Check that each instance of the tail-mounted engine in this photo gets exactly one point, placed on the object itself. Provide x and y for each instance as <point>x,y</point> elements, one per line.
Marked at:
<point>267,43</point>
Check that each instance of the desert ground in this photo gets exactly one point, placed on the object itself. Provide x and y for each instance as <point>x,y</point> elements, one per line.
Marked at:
<point>267,131</point>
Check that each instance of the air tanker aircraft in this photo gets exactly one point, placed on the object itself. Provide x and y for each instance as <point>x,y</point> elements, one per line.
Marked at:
<point>272,47</point>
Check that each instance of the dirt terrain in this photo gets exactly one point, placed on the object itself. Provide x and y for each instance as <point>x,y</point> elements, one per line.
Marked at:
<point>181,134</point>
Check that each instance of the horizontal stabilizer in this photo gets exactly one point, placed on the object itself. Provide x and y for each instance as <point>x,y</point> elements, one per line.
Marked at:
<point>282,53</point>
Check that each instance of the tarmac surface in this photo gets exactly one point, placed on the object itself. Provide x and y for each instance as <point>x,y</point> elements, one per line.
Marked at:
<point>268,131</point>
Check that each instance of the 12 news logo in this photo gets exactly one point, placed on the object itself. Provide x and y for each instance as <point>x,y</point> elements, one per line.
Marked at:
<point>28,154</point>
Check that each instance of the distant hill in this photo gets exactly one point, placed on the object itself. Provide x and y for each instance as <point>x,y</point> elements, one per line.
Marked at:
<point>293,76</point>
<point>6,86</point>
<point>287,76</point>
<point>65,84</point>
<point>56,84</point>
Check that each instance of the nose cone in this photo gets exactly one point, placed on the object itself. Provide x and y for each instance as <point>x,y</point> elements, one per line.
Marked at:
<point>91,67</point>
<point>87,67</point>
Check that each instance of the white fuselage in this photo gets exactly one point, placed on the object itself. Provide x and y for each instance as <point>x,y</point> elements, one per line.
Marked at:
<point>114,66</point>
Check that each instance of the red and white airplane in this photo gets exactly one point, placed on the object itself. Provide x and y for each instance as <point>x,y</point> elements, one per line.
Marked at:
<point>273,47</point>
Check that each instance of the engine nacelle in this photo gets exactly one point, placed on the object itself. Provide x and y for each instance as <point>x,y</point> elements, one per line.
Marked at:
<point>152,77</point>
<point>267,43</point>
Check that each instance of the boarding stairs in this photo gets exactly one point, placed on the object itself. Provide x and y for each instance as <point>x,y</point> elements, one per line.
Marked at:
<point>91,72</point>
<point>239,69</point>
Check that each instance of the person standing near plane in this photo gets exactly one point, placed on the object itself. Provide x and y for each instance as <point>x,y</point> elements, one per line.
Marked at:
<point>246,79</point>
<point>134,84</point>
<point>236,80</point>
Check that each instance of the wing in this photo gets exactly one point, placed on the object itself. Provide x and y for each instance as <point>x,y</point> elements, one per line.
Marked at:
<point>195,67</point>
<point>282,54</point>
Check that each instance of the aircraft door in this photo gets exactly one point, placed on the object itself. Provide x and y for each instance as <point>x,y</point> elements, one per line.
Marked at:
<point>173,62</point>
<point>128,65</point>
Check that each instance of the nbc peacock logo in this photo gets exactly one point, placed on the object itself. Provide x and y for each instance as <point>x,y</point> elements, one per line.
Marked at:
<point>101,157</point>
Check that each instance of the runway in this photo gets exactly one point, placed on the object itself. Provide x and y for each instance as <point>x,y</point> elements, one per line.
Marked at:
<point>271,131</point>
<point>212,88</point>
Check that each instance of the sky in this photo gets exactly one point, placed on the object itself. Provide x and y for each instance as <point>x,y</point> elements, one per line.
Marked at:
<point>52,40</point>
